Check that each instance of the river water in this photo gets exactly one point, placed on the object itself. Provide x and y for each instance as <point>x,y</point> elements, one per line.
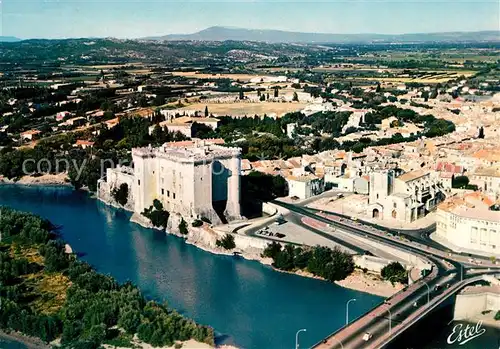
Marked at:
<point>248,304</point>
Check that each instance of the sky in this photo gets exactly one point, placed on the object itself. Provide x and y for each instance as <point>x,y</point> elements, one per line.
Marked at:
<point>136,18</point>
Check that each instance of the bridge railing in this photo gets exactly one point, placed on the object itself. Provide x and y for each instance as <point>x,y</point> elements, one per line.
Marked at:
<point>365,313</point>
<point>436,301</point>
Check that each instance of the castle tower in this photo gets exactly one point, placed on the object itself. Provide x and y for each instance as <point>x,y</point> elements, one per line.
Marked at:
<point>233,211</point>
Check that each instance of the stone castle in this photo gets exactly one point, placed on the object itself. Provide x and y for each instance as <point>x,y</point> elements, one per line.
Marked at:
<point>194,179</point>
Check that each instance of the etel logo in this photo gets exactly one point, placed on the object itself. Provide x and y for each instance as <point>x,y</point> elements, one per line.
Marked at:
<point>463,335</point>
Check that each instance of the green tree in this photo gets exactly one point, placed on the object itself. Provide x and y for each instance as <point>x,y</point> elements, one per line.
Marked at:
<point>206,112</point>
<point>395,272</point>
<point>295,97</point>
<point>227,242</point>
<point>120,194</point>
<point>460,182</point>
<point>183,227</point>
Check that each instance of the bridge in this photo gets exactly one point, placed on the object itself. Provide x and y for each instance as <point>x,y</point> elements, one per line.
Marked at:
<point>393,316</point>
<point>389,320</point>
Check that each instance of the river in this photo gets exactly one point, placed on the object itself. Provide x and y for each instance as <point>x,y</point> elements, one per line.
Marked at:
<point>248,304</point>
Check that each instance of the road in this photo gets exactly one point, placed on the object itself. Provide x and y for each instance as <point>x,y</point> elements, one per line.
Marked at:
<point>448,270</point>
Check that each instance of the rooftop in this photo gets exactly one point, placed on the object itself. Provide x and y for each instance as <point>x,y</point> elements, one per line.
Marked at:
<point>410,176</point>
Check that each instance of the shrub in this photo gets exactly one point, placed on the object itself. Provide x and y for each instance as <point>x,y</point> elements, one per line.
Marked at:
<point>206,220</point>
<point>183,227</point>
<point>121,194</point>
<point>497,316</point>
<point>227,242</point>
<point>156,214</point>
<point>394,272</point>
<point>197,223</point>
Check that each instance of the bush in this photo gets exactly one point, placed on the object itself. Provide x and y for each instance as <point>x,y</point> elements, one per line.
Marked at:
<point>329,264</point>
<point>156,214</point>
<point>497,316</point>
<point>460,182</point>
<point>395,272</point>
<point>121,194</point>
<point>206,220</point>
<point>183,227</point>
<point>227,242</point>
<point>197,223</point>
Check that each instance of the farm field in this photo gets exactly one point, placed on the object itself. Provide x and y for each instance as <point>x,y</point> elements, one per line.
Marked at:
<point>195,75</point>
<point>250,109</point>
<point>424,77</point>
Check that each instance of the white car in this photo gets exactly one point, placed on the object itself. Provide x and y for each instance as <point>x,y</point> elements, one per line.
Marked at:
<point>367,336</point>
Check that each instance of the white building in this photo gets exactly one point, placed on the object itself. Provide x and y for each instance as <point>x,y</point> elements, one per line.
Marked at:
<point>193,178</point>
<point>305,186</point>
<point>468,224</point>
<point>487,179</point>
<point>404,198</point>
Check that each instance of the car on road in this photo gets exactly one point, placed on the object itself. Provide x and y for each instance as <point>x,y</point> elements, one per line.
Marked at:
<point>367,336</point>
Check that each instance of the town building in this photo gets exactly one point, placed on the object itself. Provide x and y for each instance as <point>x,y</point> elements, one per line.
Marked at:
<point>488,180</point>
<point>84,144</point>
<point>305,186</point>
<point>405,198</point>
<point>469,223</point>
<point>30,135</point>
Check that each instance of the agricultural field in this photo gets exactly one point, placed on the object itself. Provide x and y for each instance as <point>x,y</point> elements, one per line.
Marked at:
<point>431,77</point>
<point>234,77</point>
<point>250,109</point>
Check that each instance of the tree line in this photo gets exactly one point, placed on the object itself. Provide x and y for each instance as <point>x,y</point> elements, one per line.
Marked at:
<point>330,264</point>
<point>95,308</point>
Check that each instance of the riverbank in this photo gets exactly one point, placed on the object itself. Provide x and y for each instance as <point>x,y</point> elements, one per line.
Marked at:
<point>60,179</point>
<point>358,281</point>
<point>370,283</point>
<point>204,238</point>
<point>29,342</point>
<point>190,344</point>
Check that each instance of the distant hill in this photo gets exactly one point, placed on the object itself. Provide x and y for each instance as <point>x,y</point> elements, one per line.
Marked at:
<point>9,39</point>
<point>279,36</point>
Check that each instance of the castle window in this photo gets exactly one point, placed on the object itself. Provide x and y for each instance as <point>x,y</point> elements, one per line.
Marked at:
<point>173,195</point>
<point>168,193</point>
<point>163,192</point>
<point>138,182</point>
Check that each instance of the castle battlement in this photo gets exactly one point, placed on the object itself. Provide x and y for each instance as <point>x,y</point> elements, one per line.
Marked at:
<point>198,151</point>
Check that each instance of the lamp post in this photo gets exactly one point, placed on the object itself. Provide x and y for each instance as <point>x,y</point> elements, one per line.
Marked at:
<point>428,292</point>
<point>297,337</point>
<point>347,310</point>
<point>341,342</point>
<point>390,320</point>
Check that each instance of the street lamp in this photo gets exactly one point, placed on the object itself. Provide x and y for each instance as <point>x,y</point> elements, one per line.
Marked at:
<point>338,342</point>
<point>428,292</point>
<point>297,337</point>
<point>347,310</point>
<point>390,320</point>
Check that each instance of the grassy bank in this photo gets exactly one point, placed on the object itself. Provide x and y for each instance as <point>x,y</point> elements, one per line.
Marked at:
<point>49,294</point>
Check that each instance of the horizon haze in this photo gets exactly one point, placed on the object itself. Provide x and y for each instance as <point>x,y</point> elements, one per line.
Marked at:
<point>27,19</point>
